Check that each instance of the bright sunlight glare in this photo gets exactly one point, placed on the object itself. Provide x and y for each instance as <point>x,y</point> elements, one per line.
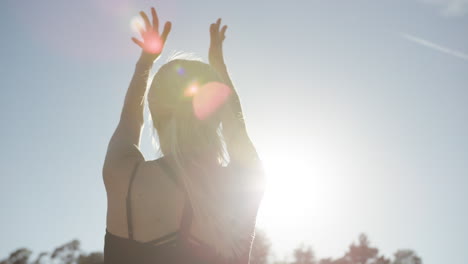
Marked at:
<point>287,183</point>
<point>136,23</point>
<point>299,186</point>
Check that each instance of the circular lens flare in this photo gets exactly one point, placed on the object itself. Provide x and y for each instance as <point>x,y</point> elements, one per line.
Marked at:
<point>152,42</point>
<point>209,98</point>
<point>180,70</point>
<point>191,90</point>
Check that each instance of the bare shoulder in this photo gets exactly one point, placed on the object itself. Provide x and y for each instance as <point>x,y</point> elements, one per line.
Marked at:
<point>118,177</point>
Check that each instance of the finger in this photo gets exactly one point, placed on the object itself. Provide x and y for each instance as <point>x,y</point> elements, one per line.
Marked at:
<point>213,34</point>
<point>218,23</point>
<point>167,29</point>
<point>223,32</point>
<point>142,32</point>
<point>155,19</point>
<point>147,22</point>
<point>212,30</point>
<point>138,42</point>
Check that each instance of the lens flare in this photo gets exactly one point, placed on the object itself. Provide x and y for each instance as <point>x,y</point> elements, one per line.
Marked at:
<point>209,98</point>
<point>180,70</point>
<point>152,42</point>
<point>136,24</point>
<point>191,90</point>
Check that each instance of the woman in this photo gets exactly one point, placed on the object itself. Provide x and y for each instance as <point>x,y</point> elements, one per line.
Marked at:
<point>187,206</point>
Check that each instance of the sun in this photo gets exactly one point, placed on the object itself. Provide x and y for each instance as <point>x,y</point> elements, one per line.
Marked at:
<point>288,188</point>
<point>299,187</point>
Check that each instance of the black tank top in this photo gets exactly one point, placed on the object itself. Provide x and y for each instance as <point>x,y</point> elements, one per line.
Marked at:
<point>173,248</point>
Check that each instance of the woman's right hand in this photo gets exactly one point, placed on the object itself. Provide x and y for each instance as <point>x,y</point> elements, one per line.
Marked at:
<point>215,52</point>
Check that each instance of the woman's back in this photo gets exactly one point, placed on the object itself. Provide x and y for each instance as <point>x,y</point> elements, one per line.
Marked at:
<point>156,204</point>
<point>154,222</point>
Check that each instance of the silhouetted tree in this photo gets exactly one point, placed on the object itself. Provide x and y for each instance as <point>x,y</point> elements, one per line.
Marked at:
<point>68,253</point>
<point>382,260</point>
<point>40,257</point>
<point>342,260</point>
<point>304,255</point>
<point>361,253</point>
<point>326,261</point>
<point>260,248</point>
<point>19,256</point>
<point>406,256</point>
<point>93,258</point>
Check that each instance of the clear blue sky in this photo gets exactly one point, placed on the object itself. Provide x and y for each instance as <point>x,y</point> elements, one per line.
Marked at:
<point>369,96</point>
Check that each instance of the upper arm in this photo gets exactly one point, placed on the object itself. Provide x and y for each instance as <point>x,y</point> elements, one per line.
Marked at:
<point>123,150</point>
<point>122,153</point>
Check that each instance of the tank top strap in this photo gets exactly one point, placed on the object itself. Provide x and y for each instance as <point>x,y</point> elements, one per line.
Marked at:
<point>129,209</point>
<point>187,215</point>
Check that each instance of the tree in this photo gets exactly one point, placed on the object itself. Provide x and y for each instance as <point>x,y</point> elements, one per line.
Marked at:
<point>260,248</point>
<point>68,253</point>
<point>342,260</point>
<point>19,256</point>
<point>40,257</point>
<point>382,260</point>
<point>361,253</point>
<point>304,255</point>
<point>326,261</point>
<point>406,256</point>
<point>93,258</point>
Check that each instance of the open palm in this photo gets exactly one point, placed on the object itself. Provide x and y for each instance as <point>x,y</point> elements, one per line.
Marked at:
<point>153,42</point>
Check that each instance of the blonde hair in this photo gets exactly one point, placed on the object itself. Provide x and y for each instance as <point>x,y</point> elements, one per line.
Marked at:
<point>180,132</point>
<point>190,141</point>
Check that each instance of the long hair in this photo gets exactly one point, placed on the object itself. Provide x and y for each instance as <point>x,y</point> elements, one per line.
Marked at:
<point>186,99</point>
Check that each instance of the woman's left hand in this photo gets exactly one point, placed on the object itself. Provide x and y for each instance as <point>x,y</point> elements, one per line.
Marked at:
<point>153,43</point>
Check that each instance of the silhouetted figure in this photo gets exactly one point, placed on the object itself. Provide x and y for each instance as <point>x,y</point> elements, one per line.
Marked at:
<point>197,203</point>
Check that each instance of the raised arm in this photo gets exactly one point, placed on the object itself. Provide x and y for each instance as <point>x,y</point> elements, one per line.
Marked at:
<point>239,146</point>
<point>244,159</point>
<point>123,149</point>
